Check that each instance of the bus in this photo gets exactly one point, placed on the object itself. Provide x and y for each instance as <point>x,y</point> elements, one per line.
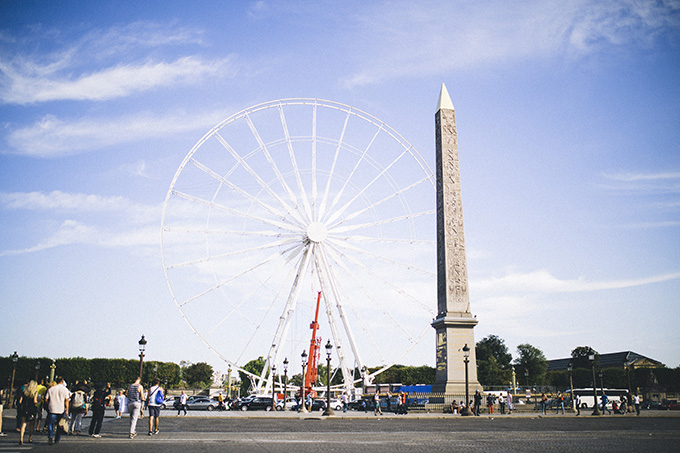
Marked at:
<point>586,396</point>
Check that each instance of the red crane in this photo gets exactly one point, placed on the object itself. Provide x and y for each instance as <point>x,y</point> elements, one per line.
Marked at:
<point>314,351</point>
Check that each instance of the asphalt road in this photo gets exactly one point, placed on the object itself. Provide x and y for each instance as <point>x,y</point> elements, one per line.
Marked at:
<point>411,433</point>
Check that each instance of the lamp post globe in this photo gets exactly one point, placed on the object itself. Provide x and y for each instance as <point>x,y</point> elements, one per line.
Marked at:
<point>466,360</point>
<point>285,382</point>
<point>329,349</point>
<point>142,348</point>
<point>303,356</point>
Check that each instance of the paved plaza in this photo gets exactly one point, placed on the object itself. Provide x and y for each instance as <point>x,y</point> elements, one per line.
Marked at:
<point>356,432</point>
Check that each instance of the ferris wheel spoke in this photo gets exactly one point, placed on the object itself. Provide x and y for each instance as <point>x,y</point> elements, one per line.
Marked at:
<point>220,232</point>
<point>341,192</point>
<point>376,256</point>
<point>293,161</point>
<point>366,329</point>
<point>233,253</point>
<point>243,193</point>
<point>399,325</point>
<point>378,240</point>
<point>331,174</point>
<point>269,259</point>
<point>380,202</point>
<point>341,211</point>
<point>377,277</point>
<point>272,163</point>
<point>221,207</point>
<point>408,216</point>
<point>289,209</point>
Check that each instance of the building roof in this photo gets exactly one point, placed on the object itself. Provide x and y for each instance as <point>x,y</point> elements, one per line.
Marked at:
<point>611,360</point>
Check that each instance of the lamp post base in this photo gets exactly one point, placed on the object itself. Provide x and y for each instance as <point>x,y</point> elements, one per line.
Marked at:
<point>465,412</point>
<point>328,412</point>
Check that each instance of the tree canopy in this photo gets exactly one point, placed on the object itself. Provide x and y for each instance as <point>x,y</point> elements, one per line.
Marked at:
<point>533,360</point>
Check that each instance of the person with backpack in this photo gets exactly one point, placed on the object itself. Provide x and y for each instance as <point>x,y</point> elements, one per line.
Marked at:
<point>78,411</point>
<point>102,391</point>
<point>154,402</point>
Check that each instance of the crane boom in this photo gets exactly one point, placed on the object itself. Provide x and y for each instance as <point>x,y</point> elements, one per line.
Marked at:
<point>314,350</point>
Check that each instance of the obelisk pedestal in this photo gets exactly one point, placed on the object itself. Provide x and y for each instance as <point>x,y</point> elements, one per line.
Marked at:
<point>454,323</point>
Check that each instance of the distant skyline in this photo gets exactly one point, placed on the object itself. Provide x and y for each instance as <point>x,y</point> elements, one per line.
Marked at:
<point>569,148</point>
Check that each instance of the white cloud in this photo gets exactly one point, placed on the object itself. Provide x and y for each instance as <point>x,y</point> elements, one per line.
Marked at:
<point>108,83</point>
<point>78,202</point>
<point>72,232</point>
<point>53,137</point>
<point>544,282</point>
<point>408,38</point>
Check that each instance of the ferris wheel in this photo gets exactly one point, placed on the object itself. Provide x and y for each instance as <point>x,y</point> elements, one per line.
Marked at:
<point>290,198</point>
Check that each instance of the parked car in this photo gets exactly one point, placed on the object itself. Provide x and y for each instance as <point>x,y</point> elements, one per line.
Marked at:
<point>317,405</point>
<point>258,403</point>
<point>202,403</point>
<point>671,405</point>
<point>169,402</point>
<point>289,403</point>
<point>336,404</point>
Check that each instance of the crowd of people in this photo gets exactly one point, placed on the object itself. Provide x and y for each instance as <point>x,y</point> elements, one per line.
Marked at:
<point>63,407</point>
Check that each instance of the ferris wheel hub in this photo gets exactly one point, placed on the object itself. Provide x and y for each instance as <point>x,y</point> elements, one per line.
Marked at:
<point>317,232</point>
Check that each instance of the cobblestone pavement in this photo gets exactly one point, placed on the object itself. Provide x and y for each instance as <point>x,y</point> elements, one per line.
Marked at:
<point>260,432</point>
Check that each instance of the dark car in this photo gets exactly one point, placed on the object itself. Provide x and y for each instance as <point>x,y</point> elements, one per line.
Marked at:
<point>317,405</point>
<point>257,403</point>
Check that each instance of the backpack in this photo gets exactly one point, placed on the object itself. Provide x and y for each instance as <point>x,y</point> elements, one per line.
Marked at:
<point>78,399</point>
<point>159,399</point>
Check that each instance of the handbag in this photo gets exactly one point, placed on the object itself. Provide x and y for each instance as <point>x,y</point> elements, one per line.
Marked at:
<point>63,424</point>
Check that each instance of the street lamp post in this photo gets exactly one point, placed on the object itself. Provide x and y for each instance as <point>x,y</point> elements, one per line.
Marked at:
<point>285,382</point>
<point>53,368</point>
<point>602,391</point>
<point>273,387</point>
<point>302,389</point>
<point>15,359</point>
<point>363,378</point>
<point>466,360</point>
<point>514,381</point>
<point>526,376</point>
<point>37,370</point>
<point>142,348</point>
<point>329,349</point>
<point>596,410</point>
<point>229,382</point>
<point>570,367</point>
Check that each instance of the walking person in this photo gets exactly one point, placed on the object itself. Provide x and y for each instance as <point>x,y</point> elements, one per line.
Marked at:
<point>388,400</point>
<point>376,400</point>
<point>2,398</point>
<point>122,402</point>
<point>182,404</point>
<point>489,403</point>
<point>478,402</point>
<point>57,399</point>
<point>27,409</point>
<point>509,402</point>
<point>345,401</point>
<point>544,403</point>
<point>560,403</point>
<point>578,405</point>
<point>501,403</point>
<point>78,411</point>
<point>134,398</point>
<point>101,392</point>
<point>636,402</point>
<point>155,395</point>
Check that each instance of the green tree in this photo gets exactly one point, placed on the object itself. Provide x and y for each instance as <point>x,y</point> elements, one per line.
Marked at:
<point>199,374</point>
<point>532,359</point>
<point>493,361</point>
<point>255,366</point>
<point>580,357</point>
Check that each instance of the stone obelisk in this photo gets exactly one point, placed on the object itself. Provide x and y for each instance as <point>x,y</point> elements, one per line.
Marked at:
<point>454,322</point>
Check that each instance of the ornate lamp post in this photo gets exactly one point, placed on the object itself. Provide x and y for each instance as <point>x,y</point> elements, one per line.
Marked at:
<point>363,378</point>
<point>229,382</point>
<point>602,390</point>
<point>142,347</point>
<point>285,382</point>
<point>53,368</point>
<point>466,360</point>
<point>302,388</point>
<point>596,410</point>
<point>570,367</point>
<point>273,387</point>
<point>329,409</point>
<point>15,359</point>
<point>37,370</point>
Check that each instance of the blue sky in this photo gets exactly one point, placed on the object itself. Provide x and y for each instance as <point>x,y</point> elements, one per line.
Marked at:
<point>567,120</point>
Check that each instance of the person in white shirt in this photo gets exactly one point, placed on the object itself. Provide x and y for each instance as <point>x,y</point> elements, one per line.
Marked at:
<point>154,407</point>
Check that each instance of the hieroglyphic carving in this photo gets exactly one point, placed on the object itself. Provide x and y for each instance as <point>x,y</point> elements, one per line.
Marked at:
<point>451,263</point>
